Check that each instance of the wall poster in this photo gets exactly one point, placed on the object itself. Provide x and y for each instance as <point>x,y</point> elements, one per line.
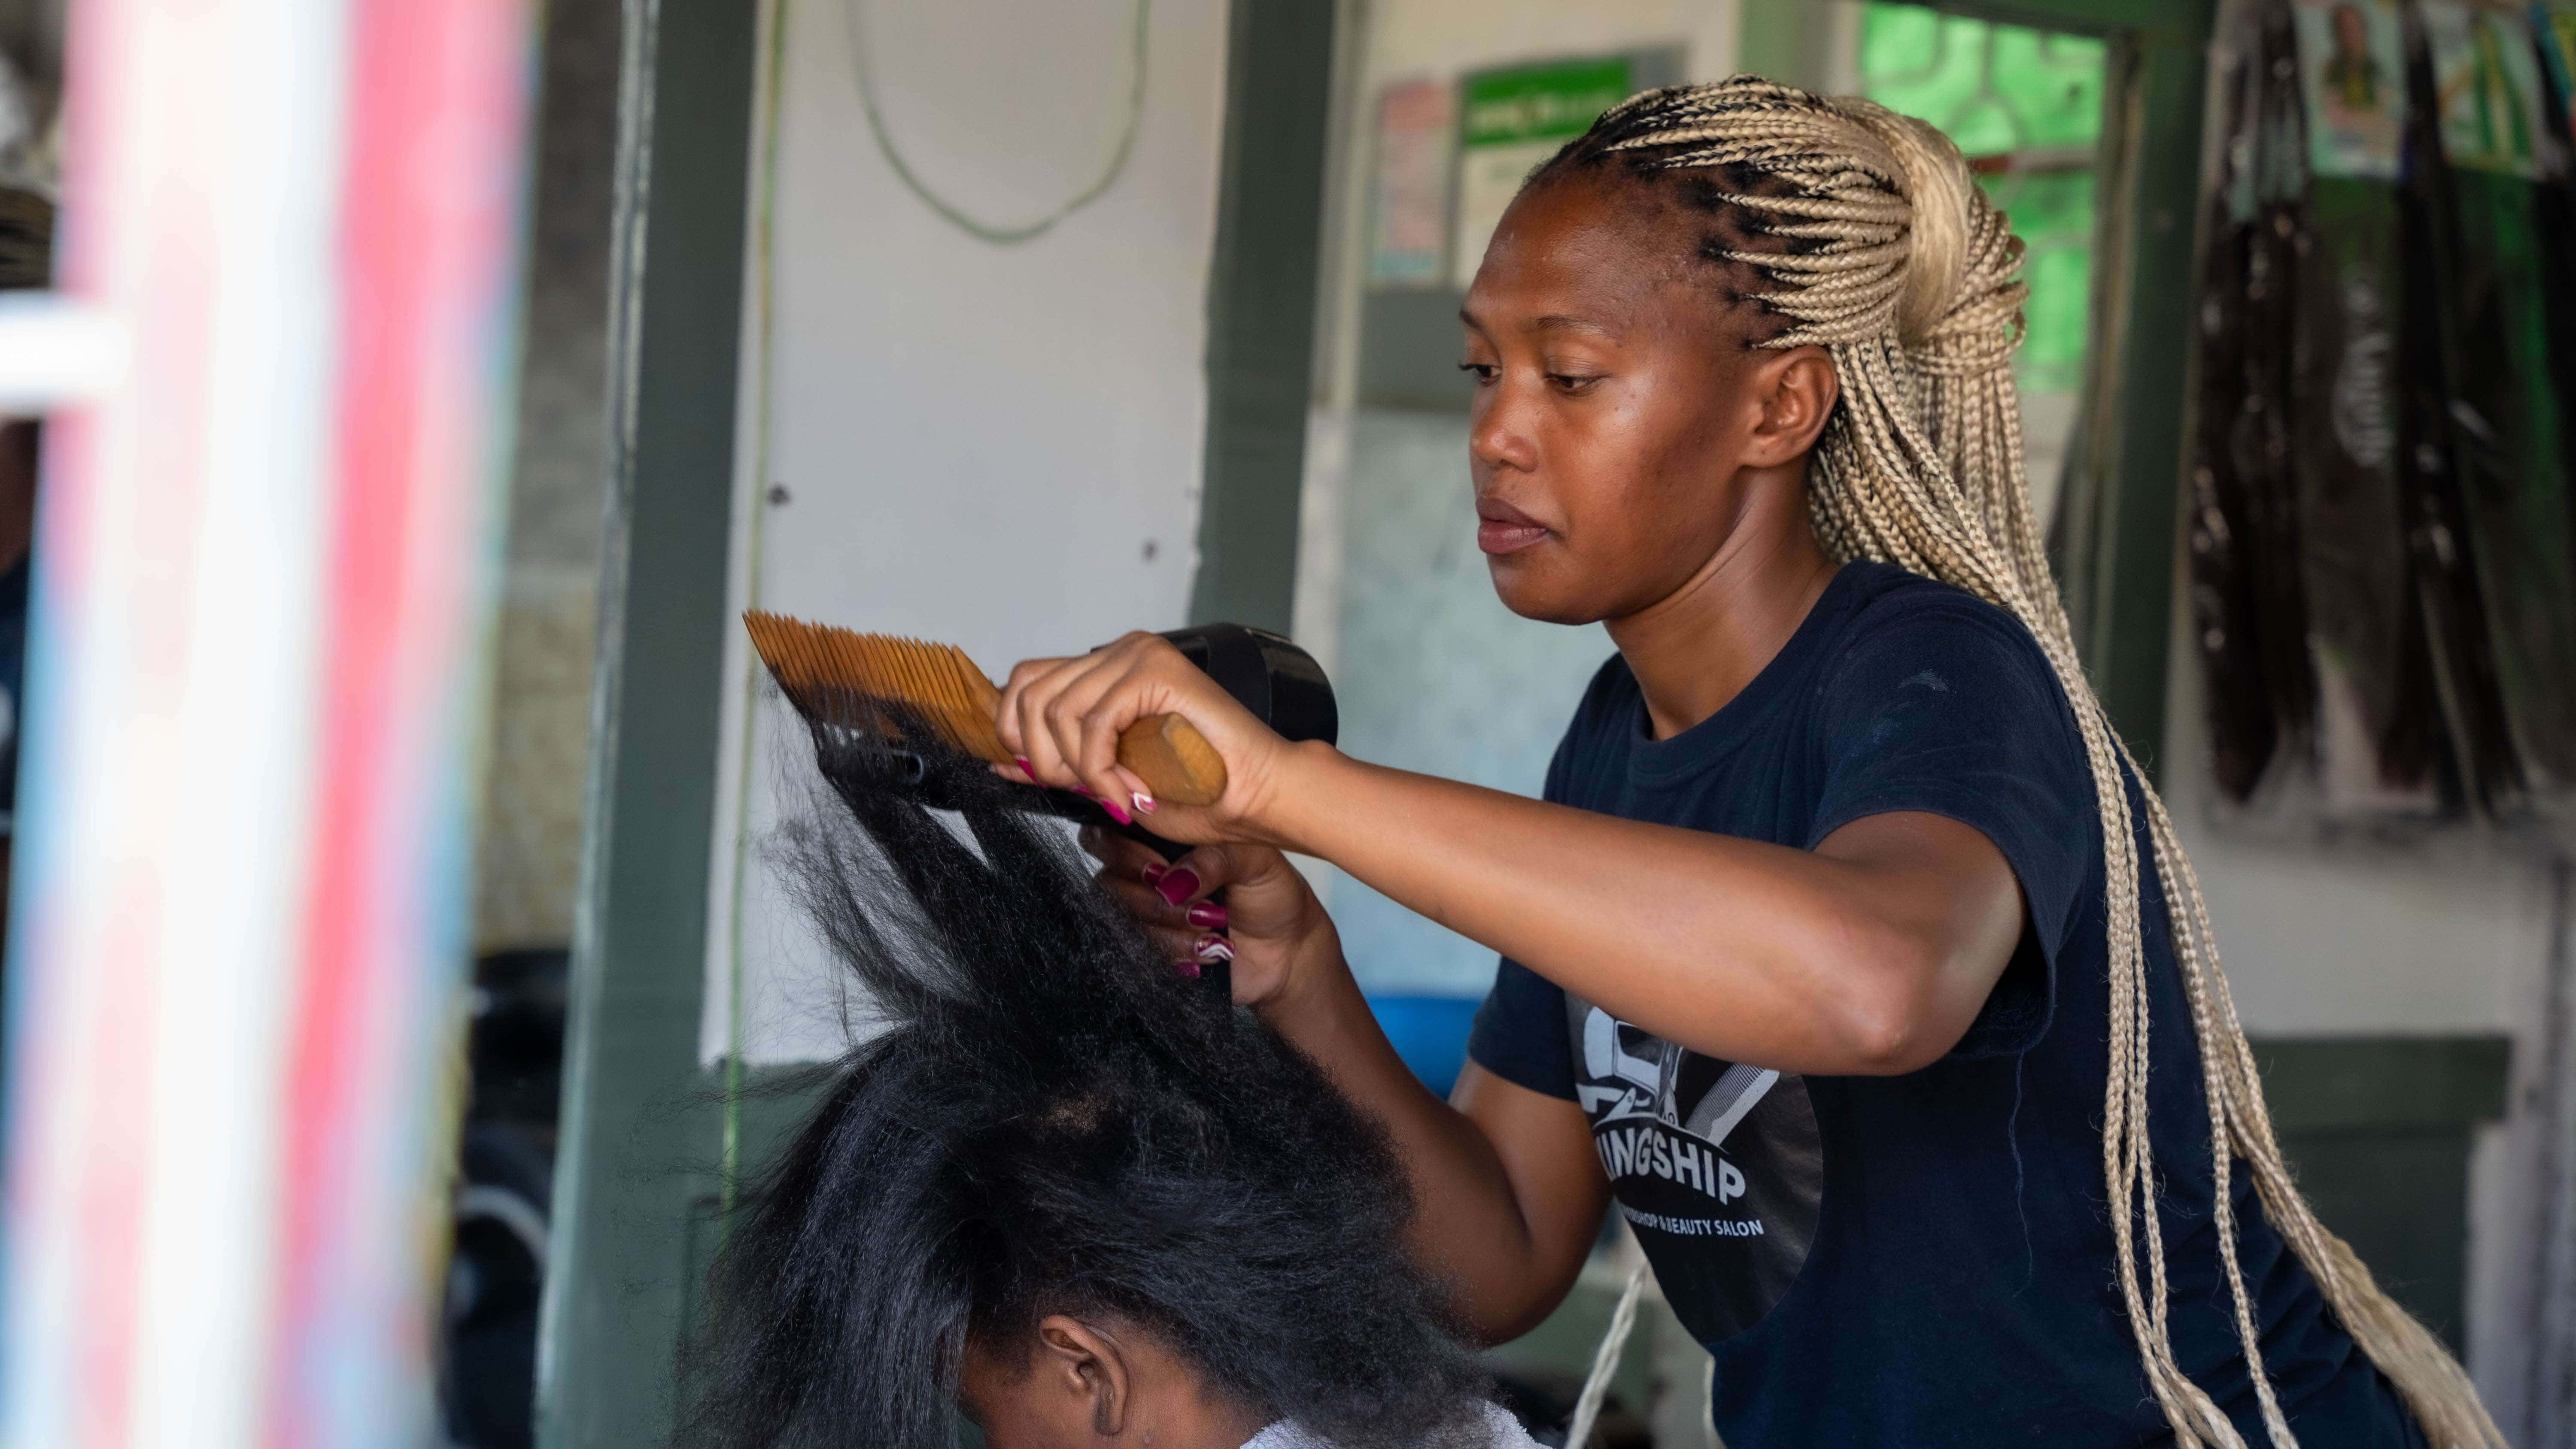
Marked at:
<point>1417,128</point>
<point>2352,77</point>
<point>2556,27</point>
<point>2486,76</point>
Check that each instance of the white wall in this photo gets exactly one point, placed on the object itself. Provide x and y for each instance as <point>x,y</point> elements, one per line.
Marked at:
<point>996,446</point>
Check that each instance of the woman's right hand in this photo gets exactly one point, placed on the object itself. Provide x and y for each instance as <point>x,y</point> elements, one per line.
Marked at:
<point>1064,720</point>
<point>1277,932</point>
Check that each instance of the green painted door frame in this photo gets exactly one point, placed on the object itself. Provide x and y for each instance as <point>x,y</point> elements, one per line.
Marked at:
<point>634,1112</point>
<point>639,1168</point>
<point>1262,307</point>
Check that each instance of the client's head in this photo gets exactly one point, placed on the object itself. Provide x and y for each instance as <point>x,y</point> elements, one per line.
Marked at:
<point>1060,1187</point>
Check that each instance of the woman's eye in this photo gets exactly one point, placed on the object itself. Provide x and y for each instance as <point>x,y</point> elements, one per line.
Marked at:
<point>1572,382</point>
<point>1483,372</point>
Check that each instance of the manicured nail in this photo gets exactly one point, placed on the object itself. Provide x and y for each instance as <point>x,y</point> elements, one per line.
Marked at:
<point>1116,811</point>
<point>1154,871</point>
<point>1215,948</point>
<point>1189,969</point>
<point>1144,802</point>
<point>1177,884</point>
<point>1208,914</point>
<point>1023,762</point>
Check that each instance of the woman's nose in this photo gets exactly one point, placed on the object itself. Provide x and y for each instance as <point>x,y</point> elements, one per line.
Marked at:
<point>1499,436</point>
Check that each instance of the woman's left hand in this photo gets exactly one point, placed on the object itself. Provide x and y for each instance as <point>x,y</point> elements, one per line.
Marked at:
<point>1276,932</point>
<point>1062,718</point>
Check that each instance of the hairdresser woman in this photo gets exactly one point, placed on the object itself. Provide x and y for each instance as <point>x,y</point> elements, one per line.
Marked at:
<point>1846,952</point>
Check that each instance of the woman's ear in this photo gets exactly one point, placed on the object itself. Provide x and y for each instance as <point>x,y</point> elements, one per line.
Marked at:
<point>1798,388</point>
<point>1088,1364</point>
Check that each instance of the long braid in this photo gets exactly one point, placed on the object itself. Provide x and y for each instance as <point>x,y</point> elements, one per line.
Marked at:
<point>1880,248</point>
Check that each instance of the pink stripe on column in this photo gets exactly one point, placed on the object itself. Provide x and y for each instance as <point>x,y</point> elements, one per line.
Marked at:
<point>429,230</point>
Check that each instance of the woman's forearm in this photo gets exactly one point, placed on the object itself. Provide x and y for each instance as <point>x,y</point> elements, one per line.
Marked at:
<point>1871,953</point>
<point>1510,1250</point>
<point>1736,948</point>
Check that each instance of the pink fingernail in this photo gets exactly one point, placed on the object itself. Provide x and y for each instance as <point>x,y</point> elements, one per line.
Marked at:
<point>1144,802</point>
<point>1215,948</point>
<point>1189,969</point>
<point>1178,884</point>
<point>1154,871</point>
<point>1023,762</point>
<point>1116,811</point>
<point>1208,914</point>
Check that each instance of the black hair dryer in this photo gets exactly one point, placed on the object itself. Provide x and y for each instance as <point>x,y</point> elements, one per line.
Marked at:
<point>1281,685</point>
<point>1267,674</point>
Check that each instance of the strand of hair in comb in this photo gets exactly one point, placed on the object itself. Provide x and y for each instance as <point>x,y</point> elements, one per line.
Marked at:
<point>845,678</point>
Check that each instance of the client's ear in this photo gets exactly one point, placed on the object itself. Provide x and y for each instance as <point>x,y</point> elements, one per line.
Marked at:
<point>1087,1363</point>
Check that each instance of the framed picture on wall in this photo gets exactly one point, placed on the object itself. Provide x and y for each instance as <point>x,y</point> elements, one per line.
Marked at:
<point>1417,130</point>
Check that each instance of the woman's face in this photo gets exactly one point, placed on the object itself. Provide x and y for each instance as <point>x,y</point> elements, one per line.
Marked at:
<point>1618,403</point>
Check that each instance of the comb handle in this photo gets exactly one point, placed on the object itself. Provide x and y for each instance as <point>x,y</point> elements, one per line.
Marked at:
<point>1173,759</point>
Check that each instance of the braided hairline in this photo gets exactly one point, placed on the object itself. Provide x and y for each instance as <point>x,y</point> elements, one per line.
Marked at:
<point>1922,466</point>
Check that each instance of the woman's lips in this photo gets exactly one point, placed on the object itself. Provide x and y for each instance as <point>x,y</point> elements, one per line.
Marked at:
<point>1501,528</point>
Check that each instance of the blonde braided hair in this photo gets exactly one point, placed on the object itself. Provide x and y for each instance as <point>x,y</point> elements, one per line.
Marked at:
<point>1889,257</point>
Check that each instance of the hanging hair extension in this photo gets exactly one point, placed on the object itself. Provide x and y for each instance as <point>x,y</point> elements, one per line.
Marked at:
<point>1050,1120</point>
<point>1872,240</point>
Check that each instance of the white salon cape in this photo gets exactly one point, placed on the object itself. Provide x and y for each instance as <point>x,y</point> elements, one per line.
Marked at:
<point>1501,1431</point>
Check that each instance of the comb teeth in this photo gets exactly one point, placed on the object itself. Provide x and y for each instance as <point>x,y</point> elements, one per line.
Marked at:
<point>840,677</point>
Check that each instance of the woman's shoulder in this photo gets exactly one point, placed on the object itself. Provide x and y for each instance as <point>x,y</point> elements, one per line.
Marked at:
<point>1920,649</point>
<point>1897,617</point>
<point>1888,597</point>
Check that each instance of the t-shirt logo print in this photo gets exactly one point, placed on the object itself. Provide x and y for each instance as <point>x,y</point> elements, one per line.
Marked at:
<point>1649,1082</point>
<point>1715,1164</point>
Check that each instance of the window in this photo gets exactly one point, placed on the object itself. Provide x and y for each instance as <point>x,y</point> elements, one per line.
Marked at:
<point>2026,107</point>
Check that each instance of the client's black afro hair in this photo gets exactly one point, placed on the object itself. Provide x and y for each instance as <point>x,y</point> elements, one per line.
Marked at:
<point>1051,1119</point>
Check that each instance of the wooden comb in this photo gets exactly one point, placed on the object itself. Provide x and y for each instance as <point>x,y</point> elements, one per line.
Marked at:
<point>818,667</point>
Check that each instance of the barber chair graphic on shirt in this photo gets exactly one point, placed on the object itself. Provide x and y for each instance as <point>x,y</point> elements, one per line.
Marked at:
<point>1651,1083</point>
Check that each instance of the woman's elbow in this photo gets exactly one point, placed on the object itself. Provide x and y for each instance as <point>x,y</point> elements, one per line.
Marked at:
<point>1503,1323</point>
<point>1900,1025</point>
<point>1894,1045</point>
<point>1496,1312</point>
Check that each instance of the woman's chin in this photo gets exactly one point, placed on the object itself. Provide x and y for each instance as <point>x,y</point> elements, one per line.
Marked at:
<point>1530,591</point>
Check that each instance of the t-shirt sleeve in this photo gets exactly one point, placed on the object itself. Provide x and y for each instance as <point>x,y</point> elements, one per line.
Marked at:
<point>1520,1033</point>
<point>1953,711</point>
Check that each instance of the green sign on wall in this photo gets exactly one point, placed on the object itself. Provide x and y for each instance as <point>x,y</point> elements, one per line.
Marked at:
<point>1510,120</point>
<point>1556,101</point>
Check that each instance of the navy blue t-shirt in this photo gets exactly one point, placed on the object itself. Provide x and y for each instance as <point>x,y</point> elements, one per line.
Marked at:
<point>1925,1259</point>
